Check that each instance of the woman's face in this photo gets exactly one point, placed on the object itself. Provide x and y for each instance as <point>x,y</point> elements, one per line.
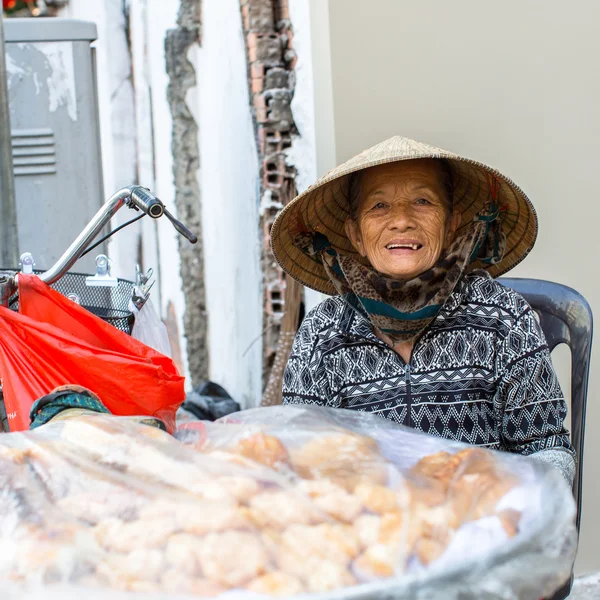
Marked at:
<point>403,221</point>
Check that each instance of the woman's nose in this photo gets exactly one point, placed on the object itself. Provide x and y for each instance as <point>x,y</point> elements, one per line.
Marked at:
<point>401,217</point>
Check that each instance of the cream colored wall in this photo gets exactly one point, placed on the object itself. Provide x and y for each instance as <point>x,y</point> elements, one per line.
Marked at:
<point>514,84</point>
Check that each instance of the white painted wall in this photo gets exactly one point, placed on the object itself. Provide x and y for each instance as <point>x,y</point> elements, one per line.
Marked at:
<point>229,188</point>
<point>160,17</point>
<point>229,191</point>
<point>144,127</point>
<point>123,246</point>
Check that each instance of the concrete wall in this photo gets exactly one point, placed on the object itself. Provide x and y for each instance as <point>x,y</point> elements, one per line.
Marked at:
<point>229,189</point>
<point>514,85</point>
<point>159,18</point>
<point>229,186</point>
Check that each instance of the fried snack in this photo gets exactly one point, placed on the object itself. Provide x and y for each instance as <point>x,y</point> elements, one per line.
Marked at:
<point>320,556</point>
<point>510,521</point>
<point>116,536</point>
<point>276,583</point>
<point>432,464</point>
<point>332,499</point>
<point>376,562</point>
<point>139,565</point>
<point>347,459</point>
<point>335,542</point>
<point>253,515</point>
<point>241,488</point>
<point>429,549</point>
<point>444,466</point>
<point>366,529</point>
<point>198,516</point>
<point>476,493</point>
<point>43,554</point>
<point>232,558</point>
<point>327,575</point>
<point>385,541</point>
<point>377,498</point>
<point>282,508</point>
<point>94,507</point>
<point>265,449</point>
<point>181,553</point>
<point>393,528</point>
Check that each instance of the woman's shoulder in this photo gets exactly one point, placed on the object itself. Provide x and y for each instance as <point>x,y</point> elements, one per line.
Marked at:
<point>326,313</point>
<point>482,289</point>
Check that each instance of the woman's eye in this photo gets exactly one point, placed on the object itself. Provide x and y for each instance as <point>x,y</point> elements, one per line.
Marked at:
<point>379,205</point>
<point>423,201</point>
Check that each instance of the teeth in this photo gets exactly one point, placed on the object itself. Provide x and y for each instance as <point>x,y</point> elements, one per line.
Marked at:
<point>411,246</point>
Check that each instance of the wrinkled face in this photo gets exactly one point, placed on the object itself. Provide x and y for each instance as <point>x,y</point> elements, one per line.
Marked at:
<point>403,221</point>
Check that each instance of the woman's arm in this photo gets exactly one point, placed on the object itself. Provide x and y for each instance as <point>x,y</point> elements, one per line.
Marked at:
<point>305,379</point>
<point>529,401</point>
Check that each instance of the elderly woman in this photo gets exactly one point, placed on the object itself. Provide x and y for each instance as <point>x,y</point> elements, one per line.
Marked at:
<point>407,238</point>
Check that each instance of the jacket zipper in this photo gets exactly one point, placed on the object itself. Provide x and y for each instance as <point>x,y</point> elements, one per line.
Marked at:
<point>407,371</point>
<point>408,398</point>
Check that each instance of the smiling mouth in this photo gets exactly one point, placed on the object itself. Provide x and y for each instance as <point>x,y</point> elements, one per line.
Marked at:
<point>408,246</point>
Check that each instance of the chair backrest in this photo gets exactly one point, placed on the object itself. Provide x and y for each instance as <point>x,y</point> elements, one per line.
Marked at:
<point>565,318</point>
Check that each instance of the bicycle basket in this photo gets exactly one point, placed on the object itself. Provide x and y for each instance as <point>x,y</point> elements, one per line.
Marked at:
<point>111,304</point>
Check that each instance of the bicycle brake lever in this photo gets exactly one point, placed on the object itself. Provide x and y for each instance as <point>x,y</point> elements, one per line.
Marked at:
<point>180,227</point>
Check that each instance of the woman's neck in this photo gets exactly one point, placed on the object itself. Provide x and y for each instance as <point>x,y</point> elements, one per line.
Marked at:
<point>404,349</point>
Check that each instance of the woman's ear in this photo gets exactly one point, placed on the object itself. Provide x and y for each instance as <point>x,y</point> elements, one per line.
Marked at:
<point>353,233</point>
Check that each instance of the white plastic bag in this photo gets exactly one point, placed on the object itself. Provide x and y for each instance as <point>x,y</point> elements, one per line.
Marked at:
<point>149,329</point>
<point>286,500</point>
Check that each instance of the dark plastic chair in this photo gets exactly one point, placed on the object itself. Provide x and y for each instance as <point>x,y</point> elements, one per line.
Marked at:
<point>565,318</point>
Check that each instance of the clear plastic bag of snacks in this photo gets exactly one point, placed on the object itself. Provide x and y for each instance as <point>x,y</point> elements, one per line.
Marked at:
<point>278,501</point>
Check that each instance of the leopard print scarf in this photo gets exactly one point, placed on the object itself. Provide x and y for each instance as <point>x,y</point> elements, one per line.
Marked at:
<point>403,309</point>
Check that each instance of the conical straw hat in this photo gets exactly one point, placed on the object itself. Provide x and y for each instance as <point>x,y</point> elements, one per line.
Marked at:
<point>324,208</point>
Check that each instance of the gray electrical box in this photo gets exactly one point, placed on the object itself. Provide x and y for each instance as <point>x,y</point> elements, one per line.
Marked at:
<point>55,133</point>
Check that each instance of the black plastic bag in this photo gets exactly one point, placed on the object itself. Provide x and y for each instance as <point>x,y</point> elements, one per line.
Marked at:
<point>209,402</point>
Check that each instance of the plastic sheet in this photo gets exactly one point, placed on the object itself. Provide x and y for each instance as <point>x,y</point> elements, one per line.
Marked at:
<point>149,329</point>
<point>281,500</point>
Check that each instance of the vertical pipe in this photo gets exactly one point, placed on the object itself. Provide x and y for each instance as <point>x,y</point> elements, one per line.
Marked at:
<point>9,250</point>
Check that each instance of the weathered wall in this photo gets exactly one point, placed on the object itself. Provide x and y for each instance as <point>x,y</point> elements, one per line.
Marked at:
<point>514,87</point>
<point>162,16</point>
<point>271,61</point>
<point>179,42</point>
<point>230,194</point>
<point>140,47</point>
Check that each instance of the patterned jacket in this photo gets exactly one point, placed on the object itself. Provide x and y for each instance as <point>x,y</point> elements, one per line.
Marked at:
<point>480,374</point>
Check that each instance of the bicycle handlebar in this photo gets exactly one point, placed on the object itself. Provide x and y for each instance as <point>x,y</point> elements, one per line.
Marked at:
<point>147,202</point>
<point>135,197</point>
<point>93,228</point>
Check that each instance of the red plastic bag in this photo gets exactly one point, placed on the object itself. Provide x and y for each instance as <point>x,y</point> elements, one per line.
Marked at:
<point>54,342</point>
